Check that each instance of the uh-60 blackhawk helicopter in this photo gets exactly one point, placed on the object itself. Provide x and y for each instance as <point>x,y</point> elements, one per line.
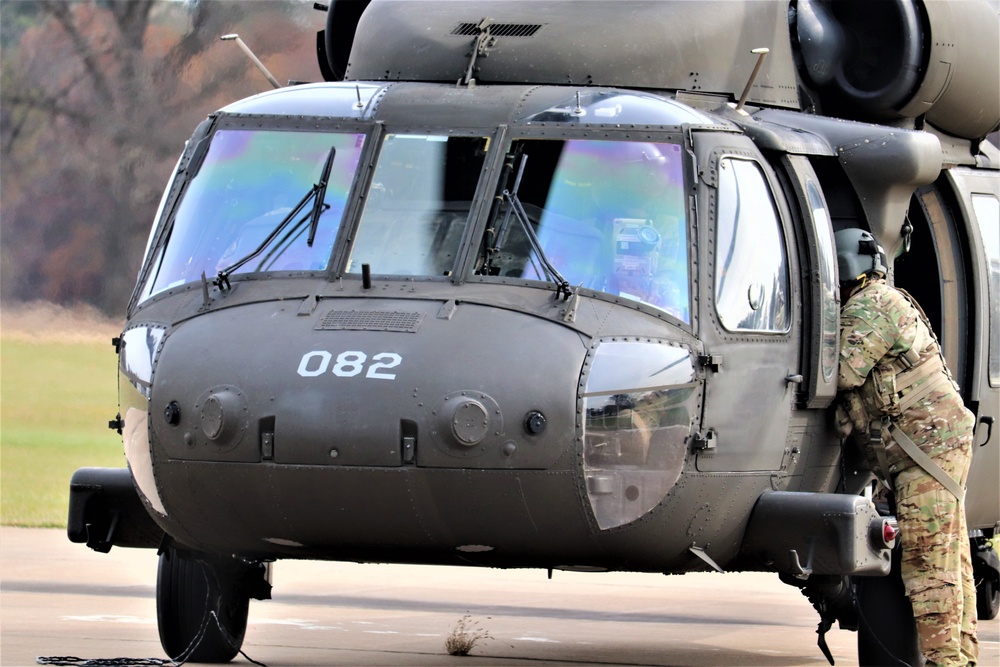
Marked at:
<point>553,285</point>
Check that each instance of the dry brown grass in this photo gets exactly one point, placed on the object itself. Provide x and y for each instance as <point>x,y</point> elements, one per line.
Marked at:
<point>41,321</point>
<point>465,636</point>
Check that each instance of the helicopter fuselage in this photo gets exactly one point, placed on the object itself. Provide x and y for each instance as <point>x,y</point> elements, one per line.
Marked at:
<point>550,303</point>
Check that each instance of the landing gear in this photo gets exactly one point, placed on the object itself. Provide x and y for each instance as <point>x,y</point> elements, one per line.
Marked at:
<point>986,571</point>
<point>876,607</point>
<point>887,634</point>
<point>202,603</point>
<point>987,599</point>
<point>832,596</point>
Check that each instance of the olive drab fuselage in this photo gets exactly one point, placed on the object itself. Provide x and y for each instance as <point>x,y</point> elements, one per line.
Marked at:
<point>416,385</point>
<point>461,406</point>
<point>505,301</point>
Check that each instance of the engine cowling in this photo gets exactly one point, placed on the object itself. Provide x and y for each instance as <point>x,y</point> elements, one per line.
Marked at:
<point>903,59</point>
<point>867,60</point>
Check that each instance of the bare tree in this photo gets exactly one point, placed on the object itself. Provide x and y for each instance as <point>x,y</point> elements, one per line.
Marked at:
<point>97,99</point>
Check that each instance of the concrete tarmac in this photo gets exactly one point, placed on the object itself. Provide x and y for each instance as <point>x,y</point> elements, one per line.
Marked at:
<point>62,599</point>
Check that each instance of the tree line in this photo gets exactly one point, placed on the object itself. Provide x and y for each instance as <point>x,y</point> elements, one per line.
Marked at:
<point>97,98</point>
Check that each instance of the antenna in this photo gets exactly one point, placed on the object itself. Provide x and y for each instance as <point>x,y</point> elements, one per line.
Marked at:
<point>256,61</point>
<point>761,53</point>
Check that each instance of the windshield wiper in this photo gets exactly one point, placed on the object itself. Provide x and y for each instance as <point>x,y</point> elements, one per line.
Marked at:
<point>317,193</point>
<point>491,240</point>
<point>562,285</point>
<point>504,228</point>
<point>324,178</point>
<point>501,231</point>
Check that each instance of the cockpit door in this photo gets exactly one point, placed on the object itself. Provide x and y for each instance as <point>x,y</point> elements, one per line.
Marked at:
<point>821,303</point>
<point>750,320</point>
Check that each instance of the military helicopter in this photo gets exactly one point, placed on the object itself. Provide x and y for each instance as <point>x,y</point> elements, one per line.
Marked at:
<point>553,285</point>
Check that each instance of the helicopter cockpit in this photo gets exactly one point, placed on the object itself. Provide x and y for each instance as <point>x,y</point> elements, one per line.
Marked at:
<point>607,214</point>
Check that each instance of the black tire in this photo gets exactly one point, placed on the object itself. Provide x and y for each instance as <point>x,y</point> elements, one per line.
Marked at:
<point>887,634</point>
<point>987,599</point>
<point>200,611</point>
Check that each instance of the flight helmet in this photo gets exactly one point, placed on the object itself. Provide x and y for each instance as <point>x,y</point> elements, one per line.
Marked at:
<point>858,253</point>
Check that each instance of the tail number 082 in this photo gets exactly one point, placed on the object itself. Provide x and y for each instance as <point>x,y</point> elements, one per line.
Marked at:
<point>349,364</point>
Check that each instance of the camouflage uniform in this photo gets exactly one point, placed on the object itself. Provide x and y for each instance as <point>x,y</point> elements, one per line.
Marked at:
<point>879,325</point>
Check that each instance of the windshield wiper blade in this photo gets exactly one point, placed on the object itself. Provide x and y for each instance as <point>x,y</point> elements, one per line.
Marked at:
<point>324,178</point>
<point>293,233</point>
<point>317,191</point>
<point>500,231</point>
<point>549,269</point>
<point>222,281</point>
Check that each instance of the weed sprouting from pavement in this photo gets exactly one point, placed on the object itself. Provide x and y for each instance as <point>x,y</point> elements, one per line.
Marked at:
<point>465,636</point>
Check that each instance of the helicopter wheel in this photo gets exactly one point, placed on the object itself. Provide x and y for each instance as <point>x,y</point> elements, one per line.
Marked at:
<point>887,634</point>
<point>987,598</point>
<point>200,611</point>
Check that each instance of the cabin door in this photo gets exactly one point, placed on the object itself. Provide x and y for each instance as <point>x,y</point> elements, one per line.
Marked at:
<point>953,270</point>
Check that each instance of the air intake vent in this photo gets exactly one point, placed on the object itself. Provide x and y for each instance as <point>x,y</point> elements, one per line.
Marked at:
<point>371,320</point>
<point>499,29</point>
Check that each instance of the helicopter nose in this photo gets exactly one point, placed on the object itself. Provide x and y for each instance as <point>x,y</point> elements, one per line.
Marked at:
<point>363,391</point>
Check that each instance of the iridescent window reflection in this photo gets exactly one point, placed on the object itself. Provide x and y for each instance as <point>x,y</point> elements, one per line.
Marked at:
<point>751,279</point>
<point>248,182</point>
<point>609,215</point>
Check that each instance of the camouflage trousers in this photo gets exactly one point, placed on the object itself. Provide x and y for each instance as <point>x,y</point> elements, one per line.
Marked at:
<point>937,562</point>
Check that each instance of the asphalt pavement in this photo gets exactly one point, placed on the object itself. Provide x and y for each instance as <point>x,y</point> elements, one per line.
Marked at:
<point>61,599</point>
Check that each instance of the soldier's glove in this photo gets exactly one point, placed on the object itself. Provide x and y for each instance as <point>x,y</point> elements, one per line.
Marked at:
<point>842,422</point>
<point>853,407</point>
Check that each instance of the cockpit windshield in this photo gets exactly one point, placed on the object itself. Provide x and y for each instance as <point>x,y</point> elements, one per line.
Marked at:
<point>248,182</point>
<point>418,204</point>
<point>608,216</point>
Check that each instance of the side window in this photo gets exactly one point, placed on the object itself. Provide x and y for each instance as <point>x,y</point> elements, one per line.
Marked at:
<point>987,209</point>
<point>751,279</point>
<point>829,308</point>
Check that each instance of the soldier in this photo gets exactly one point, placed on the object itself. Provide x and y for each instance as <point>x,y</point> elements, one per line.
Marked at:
<point>904,408</point>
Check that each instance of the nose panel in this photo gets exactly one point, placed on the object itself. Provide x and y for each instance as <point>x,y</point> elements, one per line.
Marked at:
<point>353,386</point>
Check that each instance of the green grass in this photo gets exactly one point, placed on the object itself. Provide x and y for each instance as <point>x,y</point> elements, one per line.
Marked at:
<point>56,399</point>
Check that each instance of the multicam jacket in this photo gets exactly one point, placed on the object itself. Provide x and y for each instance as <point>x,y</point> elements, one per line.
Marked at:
<point>891,366</point>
